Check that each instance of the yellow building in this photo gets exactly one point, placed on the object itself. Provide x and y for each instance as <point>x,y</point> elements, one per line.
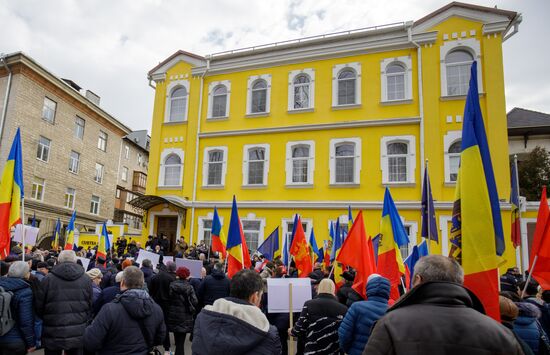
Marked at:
<point>311,126</point>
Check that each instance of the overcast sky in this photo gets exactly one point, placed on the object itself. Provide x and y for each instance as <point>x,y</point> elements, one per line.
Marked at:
<point>108,46</point>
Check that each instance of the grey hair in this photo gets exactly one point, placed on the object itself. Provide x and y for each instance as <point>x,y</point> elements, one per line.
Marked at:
<point>146,263</point>
<point>67,256</point>
<point>18,269</point>
<point>439,268</point>
<point>133,277</point>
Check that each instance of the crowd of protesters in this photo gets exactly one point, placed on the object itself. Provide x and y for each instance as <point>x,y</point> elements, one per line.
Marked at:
<point>119,307</point>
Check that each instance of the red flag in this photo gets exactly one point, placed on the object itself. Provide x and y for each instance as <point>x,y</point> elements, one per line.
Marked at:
<point>541,244</point>
<point>357,253</point>
<point>300,250</point>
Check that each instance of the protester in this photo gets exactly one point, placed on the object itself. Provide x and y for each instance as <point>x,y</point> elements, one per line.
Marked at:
<point>236,325</point>
<point>20,338</point>
<point>214,286</point>
<point>41,270</point>
<point>356,327</point>
<point>319,321</point>
<point>439,316</point>
<point>182,308</point>
<point>64,303</point>
<point>108,294</point>
<point>530,296</point>
<point>160,291</point>
<point>148,273</point>
<point>527,327</point>
<point>132,324</point>
<point>95,275</point>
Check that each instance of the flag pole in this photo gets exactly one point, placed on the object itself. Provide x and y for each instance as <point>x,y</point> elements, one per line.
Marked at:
<point>529,276</point>
<point>429,216</point>
<point>520,249</point>
<point>23,225</point>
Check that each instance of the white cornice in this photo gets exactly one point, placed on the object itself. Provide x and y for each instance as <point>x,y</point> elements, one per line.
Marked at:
<point>179,58</point>
<point>158,77</point>
<point>314,127</point>
<point>495,27</point>
<point>469,14</point>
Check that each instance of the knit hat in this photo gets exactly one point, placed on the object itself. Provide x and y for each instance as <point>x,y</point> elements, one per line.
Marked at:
<point>118,277</point>
<point>182,272</point>
<point>94,273</point>
<point>126,263</point>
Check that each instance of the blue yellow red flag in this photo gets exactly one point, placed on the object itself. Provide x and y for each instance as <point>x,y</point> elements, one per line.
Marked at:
<point>238,256</point>
<point>350,218</point>
<point>514,201</point>
<point>316,251</point>
<point>69,240</point>
<point>104,243</point>
<point>56,234</point>
<point>218,236</point>
<point>11,194</point>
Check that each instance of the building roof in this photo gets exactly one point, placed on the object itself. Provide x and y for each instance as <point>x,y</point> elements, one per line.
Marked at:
<point>522,121</point>
<point>176,54</point>
<point>509,14</point>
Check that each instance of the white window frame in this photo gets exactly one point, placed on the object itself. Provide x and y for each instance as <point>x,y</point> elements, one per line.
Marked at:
<point>357,164</point>
<point>404,61</point>
<point>413,233</point>
<point>411,158</point>
<point>124,174</point>
<point>209,217</point>
<point>78,128</point>
<point>206,166</point>
<point>71,206</point>
<point>102,142</point>
<point>448,140</point>
<point>139,159</point>
<point>165,153</point>
<point>285,231</point>
<point>211,88</point>
<point>251,81</point>
<point>335,72</point>
<point>99,179</point>
<point>168,102</point>
<point>35,183</point>
<point>344,219</point>
<point>71,160</point>
<point>126,152</point>
<point>246,147</point>
<point>291,76</point>
<point>98,203</point>
<point>470,45</point>
<point>261,232</point>
<point>310,162</point>
<point>47,100</point>
<point>43,148</point>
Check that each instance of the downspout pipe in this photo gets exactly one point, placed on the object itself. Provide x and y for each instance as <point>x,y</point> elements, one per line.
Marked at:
<point>196,172</point>
<point>6,97</point>
<point>409,26</point>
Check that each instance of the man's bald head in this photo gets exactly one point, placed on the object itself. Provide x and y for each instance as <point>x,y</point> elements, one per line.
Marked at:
<point>437,268</point>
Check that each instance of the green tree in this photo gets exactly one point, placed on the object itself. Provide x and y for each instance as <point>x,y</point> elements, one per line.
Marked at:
<point>534,173</point>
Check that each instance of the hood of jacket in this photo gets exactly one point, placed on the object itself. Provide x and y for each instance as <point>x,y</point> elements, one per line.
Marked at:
<point>440,293</point>
<point>13,284</point>
<point>68,271</point>
<point>217,274</point>
<point>233,327</point>
<point>378,287</point>
<point>147,271</point>
<point>528,311</point>
<point>179,286</point>
<point>136,302</point>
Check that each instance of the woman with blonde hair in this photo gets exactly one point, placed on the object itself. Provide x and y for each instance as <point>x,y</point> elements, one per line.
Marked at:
<point>319,321</point>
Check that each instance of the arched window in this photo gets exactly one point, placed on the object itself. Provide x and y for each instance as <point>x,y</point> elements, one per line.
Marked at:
<point>300,162</point>
<point>346,87</point>
<point>454,159</point>
<point>301,86</point>
<point>219,101</point>
<point>345,163</point>
<point>259,96</point>
<point>398,155</point>
<point>458,63</point>
<point>172,170</point>
<point>395,76</point>
<point>178,104</point>
<point>215,167</point>
<point>256,166</point>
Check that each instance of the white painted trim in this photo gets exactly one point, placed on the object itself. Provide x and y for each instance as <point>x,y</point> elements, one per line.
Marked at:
<point>211,88</point>
<point>200,221</point>
<point>246,147</point>
<point>261,234</point>
<point>165,153</point>
<point>448,139</point>
<point>356,66</point>
<point>284,228</point>
<point>411,158</point>
<point>251,80</point>
<point>161,72</point>
<point>205,166</point>
<point>168,102</point>
<point>98,205</point>
<point>444,233</point>
<point>406,62</point>
<point>413,234</point>
<point>470,45</point>
<point>358,158</point>
<point>291,76</point>
<point>164,213</point>
<point>310,163</point>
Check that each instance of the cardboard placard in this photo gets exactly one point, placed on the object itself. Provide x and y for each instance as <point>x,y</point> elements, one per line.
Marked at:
<point>85,262</point>
<point>31,233</point>
<point>144,254</point>
<point>194,266</point>
<point>278,288</point>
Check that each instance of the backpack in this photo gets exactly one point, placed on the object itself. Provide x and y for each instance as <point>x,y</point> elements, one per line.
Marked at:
<point>6,317</point>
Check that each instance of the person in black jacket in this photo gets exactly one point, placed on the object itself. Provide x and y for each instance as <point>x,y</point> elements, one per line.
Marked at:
<point>182,308</point>
<point>64,302</point>
<point>21,337</point>
<point>319,321</point>
<point>439,316</point>
<point>160,291</point>
<point>148,273</point>
<point>214,286</point>
<point>132,324</point>
<point>236,324</point>
<point>108,294</point>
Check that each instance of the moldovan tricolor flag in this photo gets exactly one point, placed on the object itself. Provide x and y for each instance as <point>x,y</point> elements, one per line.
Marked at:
<point>478,223</point>
<point>392,236</point>
<point>300,251</point>
<point>57,234</point>
<point>69,241</point>
<point>11,194</point>
<point>218,236</point>
<point>238,256</point>
<point>514,201</point>
<point>104,244</point>
<point>350,218</point>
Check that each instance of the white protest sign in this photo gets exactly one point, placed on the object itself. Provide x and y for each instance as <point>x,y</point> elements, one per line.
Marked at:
<point>31,233</point>
<point>194,266</point>
<point>85,262</point>
<point>278,295</point>
<point>144,254</point>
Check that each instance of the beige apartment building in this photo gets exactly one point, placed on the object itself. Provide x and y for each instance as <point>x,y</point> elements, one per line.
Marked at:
<point>72,148</point>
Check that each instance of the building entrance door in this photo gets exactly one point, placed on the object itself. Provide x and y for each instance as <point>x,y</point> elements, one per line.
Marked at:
<point>168,226</point>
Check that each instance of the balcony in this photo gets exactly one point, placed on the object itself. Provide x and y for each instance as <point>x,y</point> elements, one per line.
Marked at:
<point>139,182</point>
